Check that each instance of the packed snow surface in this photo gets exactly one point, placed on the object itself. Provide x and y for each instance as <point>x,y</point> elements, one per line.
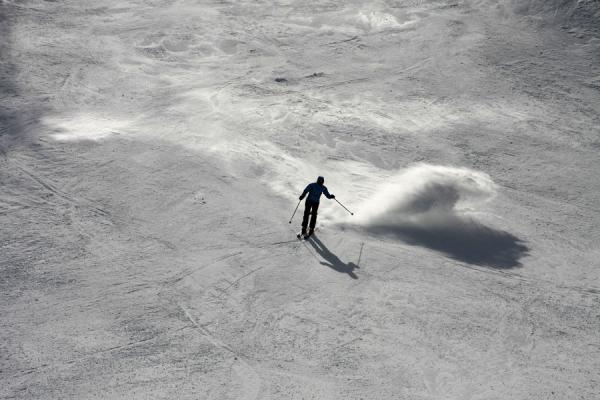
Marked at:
<point>152,153</point>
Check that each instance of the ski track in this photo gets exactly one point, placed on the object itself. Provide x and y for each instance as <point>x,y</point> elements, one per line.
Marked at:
<point>251,382</point>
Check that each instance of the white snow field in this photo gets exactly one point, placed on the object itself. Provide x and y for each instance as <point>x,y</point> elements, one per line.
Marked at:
<point>152,153</point>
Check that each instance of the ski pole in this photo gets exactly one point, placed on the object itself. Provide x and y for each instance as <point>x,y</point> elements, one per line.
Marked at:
<point>295,211</point>
<point>351,213</point>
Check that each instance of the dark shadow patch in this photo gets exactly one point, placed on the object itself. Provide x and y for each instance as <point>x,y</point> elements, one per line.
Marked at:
<point>331,260</point>
<point>16,111</point>
<point>8,89</point>
<point>463,239</point>
<point>315,75</point>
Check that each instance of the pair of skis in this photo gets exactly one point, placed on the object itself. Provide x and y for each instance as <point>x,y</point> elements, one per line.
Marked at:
<point>305,236</point>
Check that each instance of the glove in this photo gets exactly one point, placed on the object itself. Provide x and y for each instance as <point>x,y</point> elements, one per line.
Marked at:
<point>333,196</point>
<point>300,198</point>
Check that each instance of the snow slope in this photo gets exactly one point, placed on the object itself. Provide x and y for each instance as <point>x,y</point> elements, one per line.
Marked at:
<point>152,153</point>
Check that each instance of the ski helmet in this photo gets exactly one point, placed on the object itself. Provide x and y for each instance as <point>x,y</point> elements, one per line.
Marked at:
<point>320,180</point>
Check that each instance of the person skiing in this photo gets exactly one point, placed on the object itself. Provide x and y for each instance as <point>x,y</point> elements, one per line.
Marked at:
<point>314,191</point>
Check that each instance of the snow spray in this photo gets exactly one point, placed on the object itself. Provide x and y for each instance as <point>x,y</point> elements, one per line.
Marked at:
<point>425,195</point>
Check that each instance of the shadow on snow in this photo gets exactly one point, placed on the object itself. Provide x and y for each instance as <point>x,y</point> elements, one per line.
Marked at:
<point>331,260</point>
<point>465,240</point>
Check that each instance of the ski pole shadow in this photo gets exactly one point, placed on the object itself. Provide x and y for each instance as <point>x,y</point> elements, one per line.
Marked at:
<point>331,260</point>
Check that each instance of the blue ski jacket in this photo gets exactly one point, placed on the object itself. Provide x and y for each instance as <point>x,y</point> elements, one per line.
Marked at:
<point>315,191</point>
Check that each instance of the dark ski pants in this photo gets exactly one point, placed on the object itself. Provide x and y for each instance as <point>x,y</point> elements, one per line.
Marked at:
<point>310,209</point>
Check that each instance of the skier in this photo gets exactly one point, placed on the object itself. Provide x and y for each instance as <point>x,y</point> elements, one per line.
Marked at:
<point>314,191</point>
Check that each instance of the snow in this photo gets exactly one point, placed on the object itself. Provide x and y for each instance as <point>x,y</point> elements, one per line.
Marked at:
<point>153,152</point>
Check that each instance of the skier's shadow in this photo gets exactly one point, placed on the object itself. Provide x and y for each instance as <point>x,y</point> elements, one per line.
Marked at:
<point>331,260</point>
